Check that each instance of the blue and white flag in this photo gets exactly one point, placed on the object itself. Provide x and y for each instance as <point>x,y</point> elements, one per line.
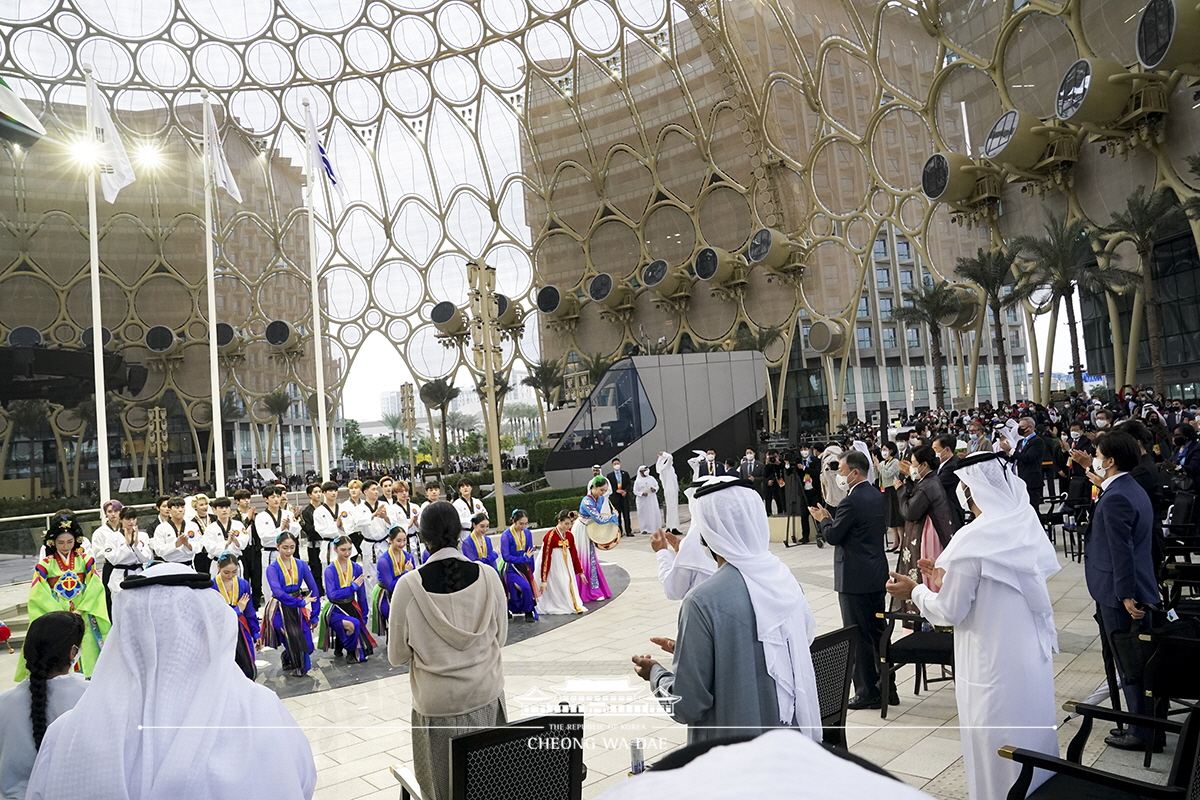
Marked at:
<point>320,160</point>
<point>116,172</point>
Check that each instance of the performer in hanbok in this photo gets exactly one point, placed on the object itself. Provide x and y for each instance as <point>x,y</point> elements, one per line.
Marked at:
<point>294,606</point>
<point>236,592</point>
<point>665,465</point>
<point>560,570</point>
<point>344,621</point>
<point>516,549</point>
<point>594,508</point>
<point>168,714</point>
<point>990,584</point>
<point>224,534</point>
<point>645,489</point>
<point>66,580</point>
<point>477,546</point>
<point>126,556</point>
<point>395,561</point>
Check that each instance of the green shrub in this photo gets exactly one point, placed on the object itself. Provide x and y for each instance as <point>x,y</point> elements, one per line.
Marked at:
<point>546,511</point>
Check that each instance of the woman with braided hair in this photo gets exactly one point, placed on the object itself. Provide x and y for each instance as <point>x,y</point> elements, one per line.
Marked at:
<point>448,620</point>
<point>67,580</point>
<point>53,687</point>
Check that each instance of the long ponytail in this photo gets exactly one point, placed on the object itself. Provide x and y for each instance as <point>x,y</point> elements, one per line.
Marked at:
<point>47,652</point>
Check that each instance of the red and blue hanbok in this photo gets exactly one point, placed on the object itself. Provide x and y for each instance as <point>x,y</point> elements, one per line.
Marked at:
<point>516,548</point>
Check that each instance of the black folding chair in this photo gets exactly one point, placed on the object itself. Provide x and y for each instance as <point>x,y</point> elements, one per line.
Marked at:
<point>833,660</point>
<point>919,648</point>
<point>1073,781</point>
<point>538,757</point>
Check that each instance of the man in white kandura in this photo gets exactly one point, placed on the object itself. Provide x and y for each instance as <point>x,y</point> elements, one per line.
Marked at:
<point>645,489</point>
<point>742,663</point>
<point>665,465</point>
<point>168,713</point>
<point>993,591</point>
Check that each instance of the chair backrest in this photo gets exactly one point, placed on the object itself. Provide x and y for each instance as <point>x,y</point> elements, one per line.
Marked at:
<point>833,661</point>
<point>1183,510</point>
<point>538,757</point>
<point>1171,668</point>
<point>1185,769</point>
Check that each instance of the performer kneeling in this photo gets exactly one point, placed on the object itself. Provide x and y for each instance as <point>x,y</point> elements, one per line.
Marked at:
<point>293,608</point>
<point>394,562</point>
<point>236,592</point>
<point>344,621</point>
<point>516,548</point>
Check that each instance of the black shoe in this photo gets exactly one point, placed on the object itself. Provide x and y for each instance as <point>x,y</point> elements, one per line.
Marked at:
<point>351,658</point>
<point>530,616</point>
<point>285,662</point>
<point>859,703</point>
<point>893,698</point>
<point>1128,741</point>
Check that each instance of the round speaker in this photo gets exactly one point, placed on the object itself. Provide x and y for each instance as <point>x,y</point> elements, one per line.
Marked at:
<point>105,337</point>
<point>600,287</point>
<point>225,335</point>
<point>1013,141</point>
<point>1086,95</point>
<point>655,273</point>
<point>507,312</point>
<point>826,336</point>
<point>24,336</point>
<point>448,318</point>
<point>160,339</point>
<point>548,299</point>
<point>942,178</point>
<point>713,265</point>
<point>280,334</point>
<point>1168,36</point>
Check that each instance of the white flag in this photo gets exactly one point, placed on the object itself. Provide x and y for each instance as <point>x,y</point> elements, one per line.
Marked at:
<point>221,174</point>
<point>320,160</point>
<point>115,170</point>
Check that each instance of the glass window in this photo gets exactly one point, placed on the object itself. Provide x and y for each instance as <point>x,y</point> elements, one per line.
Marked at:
<point>863,310</point>
<point>906,279</point>
<point>903,250</point>
<point>864,338</point>
<point>895,377</point>
<point>913,337</point>
<point>885,308</point>
<point>883,278</point>
<point>870,382</point>
<point>1014,339</point>
<point>881,249</point>
<point>1011,314</point>
<point>889,337</point>
<point>804,329</point>
<point>616,414</point>
<point>919,383</point>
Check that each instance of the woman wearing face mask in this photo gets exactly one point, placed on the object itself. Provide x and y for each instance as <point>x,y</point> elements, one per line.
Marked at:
<point>53,687</point>
<point>928,521</point>
<point>1187,453</point>
<point>887,467</point>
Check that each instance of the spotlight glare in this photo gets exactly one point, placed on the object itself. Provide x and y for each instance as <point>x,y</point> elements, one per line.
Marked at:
<point>85,152</point>
<point>149,156</point>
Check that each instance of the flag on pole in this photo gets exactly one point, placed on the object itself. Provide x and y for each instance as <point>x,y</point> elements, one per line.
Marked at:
<point>18,124</point>
<point>222,175</point>
<point>319,158</point>
<point>115,170</point>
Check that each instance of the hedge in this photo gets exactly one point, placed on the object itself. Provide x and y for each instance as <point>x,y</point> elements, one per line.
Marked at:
<point>534,503</point>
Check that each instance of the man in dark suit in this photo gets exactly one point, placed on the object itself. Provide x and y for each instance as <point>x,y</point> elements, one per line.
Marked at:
<point>1029,454</point>
<point>1118,564</point>
<point>751,469</point>
<point>857,530</point>
<point>622,486</point>
<point>944,446</point>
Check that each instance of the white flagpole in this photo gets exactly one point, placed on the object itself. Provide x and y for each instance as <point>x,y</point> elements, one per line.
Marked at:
<point>322,447</point>
<point>97,326</point>
<point>210,274</point>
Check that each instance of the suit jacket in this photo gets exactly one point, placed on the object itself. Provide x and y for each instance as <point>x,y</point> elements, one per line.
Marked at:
<point>949,483</point>
<point>1118,560</point>
<point>925,498</point>
<point>716,470</point>
<point>857,530</point>
<point>1029,456</point>
<point>619,500</point>
<point>746,470</point>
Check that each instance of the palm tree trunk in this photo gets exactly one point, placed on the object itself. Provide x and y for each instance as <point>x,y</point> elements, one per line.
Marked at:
<point>1135,322</point>
<point>63,466</point>
<point>8,434</point>
<point>445,449</point>
<point>935,350</point>
<point>1076,361</point>
<point>78,457</point>
<point>32,484</point>
<point>1114,329</point>
<point>1001,355</point>
<point>1048,364</point>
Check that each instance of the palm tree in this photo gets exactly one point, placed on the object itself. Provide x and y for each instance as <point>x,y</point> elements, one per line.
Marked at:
<point>545,377</point>
<point>758,340</point>
<point>932,301</point>
<point>992,272</point>
<point>1146,215</point>
<point>439,394</point>
<point>502,388</point>
<point>393,422</point>
<point>1062,261</point>
<point>277,403</point>
<point>594,365</point>
<point>28,417</point>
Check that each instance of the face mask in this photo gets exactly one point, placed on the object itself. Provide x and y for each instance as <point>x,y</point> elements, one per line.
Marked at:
<point>842,482</point>
<point>1101,423</point>
<point>1076,434</point>
<point>887,455</point>
<point>711,458</point>
<point>1098,466</point>
<point>1180,441</point>
<point>804,454</point>
<point>960,492</point>
<point>974,437</point>
<point>616,467</point>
